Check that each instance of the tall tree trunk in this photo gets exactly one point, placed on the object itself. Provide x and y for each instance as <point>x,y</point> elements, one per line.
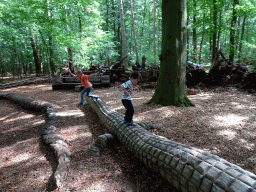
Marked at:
<point>143,21</point>
<point>171,82</point>
<point>2,68</point>
<point>201,43</point>
<point>114,17</point>
<point>134,31</point>
<point>35,55</point>
<point>219,30</point>
<point>214,33</point>
<point>70,51</point>
<point>107,16</point>
<point>52,63</point>
<point>194,34</point>
<point>232,32</point>
<point>70,60</point>
<point>154,32</point>
<point>124,50</point>
<point>187,39</point>
<point>241,39</point>
<point>119,39</point>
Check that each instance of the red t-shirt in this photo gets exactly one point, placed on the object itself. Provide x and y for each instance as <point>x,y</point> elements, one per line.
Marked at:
<point>84,80</point>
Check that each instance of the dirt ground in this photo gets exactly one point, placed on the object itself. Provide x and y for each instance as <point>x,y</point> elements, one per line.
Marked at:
<point>223,122</point>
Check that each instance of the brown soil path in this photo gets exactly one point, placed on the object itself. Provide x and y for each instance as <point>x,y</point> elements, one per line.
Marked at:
<point>26,164</point>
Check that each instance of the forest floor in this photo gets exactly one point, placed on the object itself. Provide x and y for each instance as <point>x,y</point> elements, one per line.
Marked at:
<point>223,122</point>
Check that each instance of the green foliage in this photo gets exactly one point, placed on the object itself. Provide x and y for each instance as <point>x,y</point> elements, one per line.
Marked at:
<point>91,28</point>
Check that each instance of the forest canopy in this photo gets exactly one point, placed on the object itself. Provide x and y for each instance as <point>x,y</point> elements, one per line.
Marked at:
<point>85,32</point>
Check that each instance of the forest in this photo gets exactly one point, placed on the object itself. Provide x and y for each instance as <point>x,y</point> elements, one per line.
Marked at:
<point>41,36</point>
<point>195,127</point>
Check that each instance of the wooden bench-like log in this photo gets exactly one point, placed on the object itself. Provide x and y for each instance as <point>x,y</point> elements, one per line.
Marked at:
<point>186,168</point>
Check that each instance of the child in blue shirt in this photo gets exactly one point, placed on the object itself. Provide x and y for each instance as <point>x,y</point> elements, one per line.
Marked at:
<point>127,88</point>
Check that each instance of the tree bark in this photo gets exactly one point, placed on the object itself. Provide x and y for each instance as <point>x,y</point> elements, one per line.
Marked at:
<point>70,51</point>
<point>232,32</point>
<point>2,68</point>
<point>154,33</point>
<point>241,40</point>
<point>107,16</point>
<point>214,34</point>
<point>35,55</point>
<point>52,63</point>
<point>124,50</point>
<point>171,83</point>
<point>70,60</point>
<point>134,31</point>
<point>194,35</point>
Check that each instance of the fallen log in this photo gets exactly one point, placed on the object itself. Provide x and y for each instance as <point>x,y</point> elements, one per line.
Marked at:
<point>50,136</point>
<point>186,168</point>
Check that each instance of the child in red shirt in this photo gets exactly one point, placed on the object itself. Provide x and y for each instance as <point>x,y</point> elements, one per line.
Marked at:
<point>87,85</point>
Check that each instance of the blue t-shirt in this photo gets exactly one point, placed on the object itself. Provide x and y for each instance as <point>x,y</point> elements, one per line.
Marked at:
<point>129,87</point>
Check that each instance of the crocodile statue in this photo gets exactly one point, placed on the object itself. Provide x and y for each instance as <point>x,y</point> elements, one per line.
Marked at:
<point>186,168</point>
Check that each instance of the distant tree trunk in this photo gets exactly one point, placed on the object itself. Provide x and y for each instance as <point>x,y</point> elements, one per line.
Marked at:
<point>71,60</point>
<point>219,30</point>
<point>35,55</point>
<point>143,22</point>
<point>107,16</point>
<point>114,17</point>
<point>154,32</point>
<point>119,39</point>
<point>201,43</point>
<point>241,40</point>
<point>124,50</point>
<point>134,31</point>
<point>52,63</point>
<point>194,35</point>
<point>232,32</point>
<point>143,19</point>
<point>70,51</point>
<point>187,39</point>
<point>171,82</point>
<point>214,34</point>
<point>2,68</point>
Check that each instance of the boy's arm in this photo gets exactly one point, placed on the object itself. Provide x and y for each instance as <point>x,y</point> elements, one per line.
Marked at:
<point>124,90</point>
<point>71,73</point>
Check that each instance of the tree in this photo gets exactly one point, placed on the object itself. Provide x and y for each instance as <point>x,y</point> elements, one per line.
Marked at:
<point>171,82</point>
<point>36,56</point>
<point>124,51</point>
<point>232,31</point>
<point>214,32</point>
<point>134,31</point>
<point>52,63</point>
<point>194,34</point>
<point>154,32</point>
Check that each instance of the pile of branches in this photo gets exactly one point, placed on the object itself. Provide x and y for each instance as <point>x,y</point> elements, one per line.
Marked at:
<point>222,73</point>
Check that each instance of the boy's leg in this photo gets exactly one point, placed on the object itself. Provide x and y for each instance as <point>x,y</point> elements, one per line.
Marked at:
<point>89,89</point>
<point>82,96</point>
<point>129,110</point>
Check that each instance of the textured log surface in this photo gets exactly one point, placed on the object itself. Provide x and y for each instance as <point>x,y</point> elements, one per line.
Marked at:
<point>50,136</point>
<point>28,81</point>
<point>186,168</point>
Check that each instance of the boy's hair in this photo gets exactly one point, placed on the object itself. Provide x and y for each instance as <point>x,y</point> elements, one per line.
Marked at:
<point>79,71</point>
<point>136,75</point>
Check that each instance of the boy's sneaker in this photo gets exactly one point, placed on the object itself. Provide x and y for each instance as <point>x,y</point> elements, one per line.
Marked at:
<point>131,123</point>
<point>96,98</point>
<point>81,103</point>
